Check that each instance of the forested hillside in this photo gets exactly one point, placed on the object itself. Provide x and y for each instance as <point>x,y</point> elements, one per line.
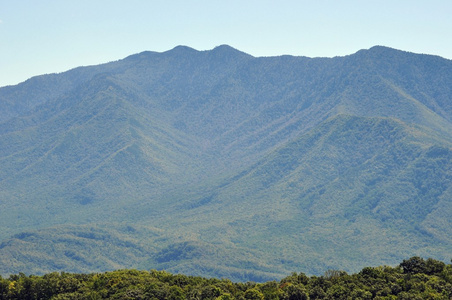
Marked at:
<point>218,163</point>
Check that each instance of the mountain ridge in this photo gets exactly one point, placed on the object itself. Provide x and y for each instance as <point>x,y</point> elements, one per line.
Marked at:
<point>265,160</point>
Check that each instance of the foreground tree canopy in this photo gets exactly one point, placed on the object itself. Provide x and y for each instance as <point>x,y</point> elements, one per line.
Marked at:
<point>414,278</point>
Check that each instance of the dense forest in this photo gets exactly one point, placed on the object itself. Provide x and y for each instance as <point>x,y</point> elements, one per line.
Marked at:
<point>414,278</point>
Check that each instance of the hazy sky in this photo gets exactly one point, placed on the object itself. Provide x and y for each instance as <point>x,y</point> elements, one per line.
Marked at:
<point>48,36</point>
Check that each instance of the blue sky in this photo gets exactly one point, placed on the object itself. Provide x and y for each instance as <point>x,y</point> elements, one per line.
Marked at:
<point>38,37</point>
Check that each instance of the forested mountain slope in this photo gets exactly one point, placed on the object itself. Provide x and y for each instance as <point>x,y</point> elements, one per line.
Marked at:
<point>274,162</point>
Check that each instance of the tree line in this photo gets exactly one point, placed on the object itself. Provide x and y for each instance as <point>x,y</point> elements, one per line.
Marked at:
<point>414,278</point>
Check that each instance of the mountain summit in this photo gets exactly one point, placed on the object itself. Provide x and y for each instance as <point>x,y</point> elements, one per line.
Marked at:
<point>218,163</point>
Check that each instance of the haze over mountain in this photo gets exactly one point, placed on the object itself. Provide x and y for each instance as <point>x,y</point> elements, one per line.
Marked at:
<point>218,163</point>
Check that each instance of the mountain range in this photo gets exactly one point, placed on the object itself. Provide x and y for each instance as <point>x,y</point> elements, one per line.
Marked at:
<point>218,163</point>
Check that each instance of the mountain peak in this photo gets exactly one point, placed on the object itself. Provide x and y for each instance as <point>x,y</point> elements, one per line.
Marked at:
<point>227,51</point>
<point>181,49</point>
<point>381,48</point>
<point>379,51</point>
<point>225,48</point>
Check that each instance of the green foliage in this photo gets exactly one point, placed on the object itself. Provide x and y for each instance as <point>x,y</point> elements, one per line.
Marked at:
<point>370,283</point>
<point>416,265</point>
<point>253,294</point>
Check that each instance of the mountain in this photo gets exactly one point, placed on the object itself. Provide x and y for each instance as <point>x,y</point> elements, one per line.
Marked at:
<point>246,167</point>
